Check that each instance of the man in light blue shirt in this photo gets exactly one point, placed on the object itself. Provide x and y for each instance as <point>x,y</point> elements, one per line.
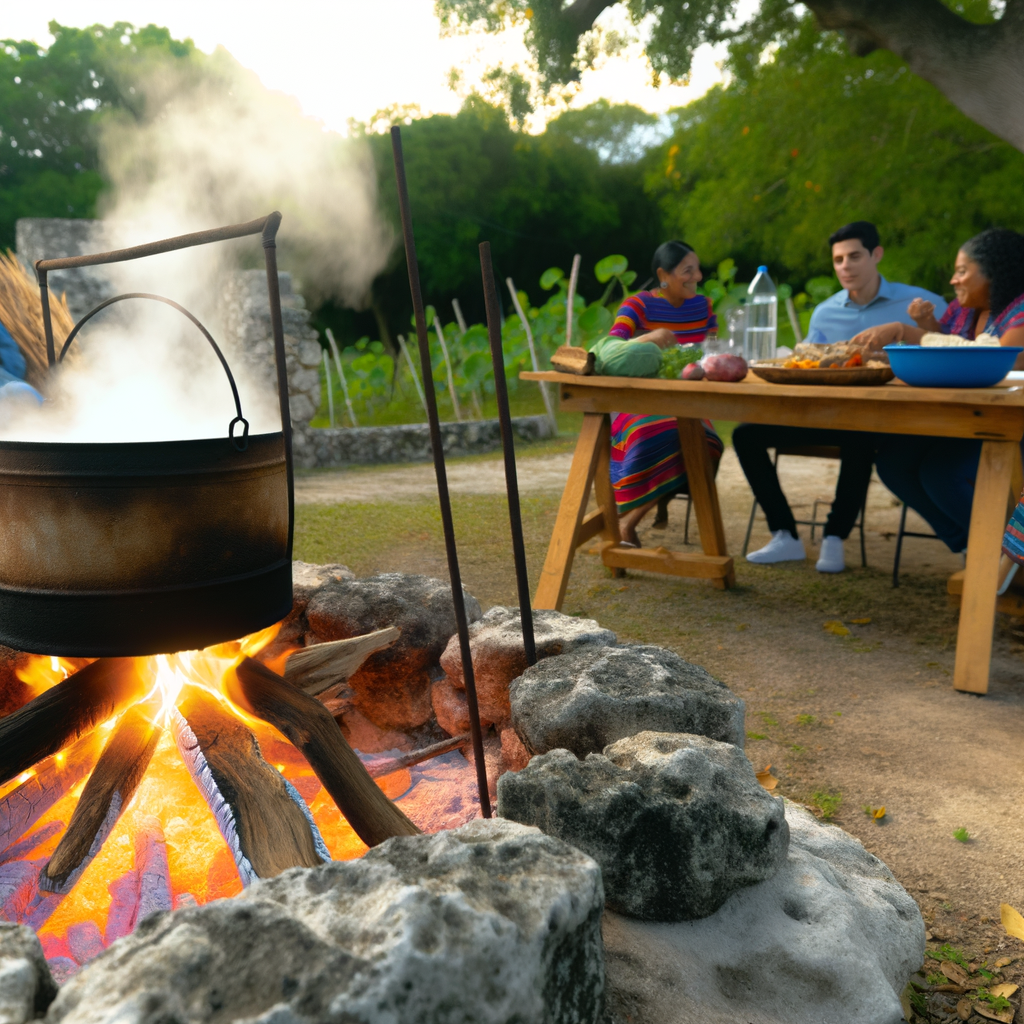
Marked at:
<point>867,300</point>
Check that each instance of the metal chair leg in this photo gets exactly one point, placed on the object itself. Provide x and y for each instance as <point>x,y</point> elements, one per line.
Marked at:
<point>750,527</point>
<point>899,547</point>
<point>863,548</point>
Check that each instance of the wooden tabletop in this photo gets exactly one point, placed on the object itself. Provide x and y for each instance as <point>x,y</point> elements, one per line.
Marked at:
<point>995,413</point>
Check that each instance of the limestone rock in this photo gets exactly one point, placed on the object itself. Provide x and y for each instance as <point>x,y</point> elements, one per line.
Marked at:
<point>392,688</point>
<point>678,823</point>
<point>26,986</point>
<point>489,923</point>
<point>451,707</point>
<point>832,937</point>
<point>516,756</point>
<point>593,696</point>
<point>496,643</point>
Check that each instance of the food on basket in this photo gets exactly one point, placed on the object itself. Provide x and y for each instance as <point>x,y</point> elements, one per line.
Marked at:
<point>724,367</point>
<point>840,355</point>
<point>692,371</point>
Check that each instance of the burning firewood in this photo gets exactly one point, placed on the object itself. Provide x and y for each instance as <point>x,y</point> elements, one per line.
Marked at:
<point>312,729</point>
<point>318,668</point>
<point>396,764</point>
<point>264,821</point>
<point>67,711</point>
<point>107,793</point>
<point>23,807</point>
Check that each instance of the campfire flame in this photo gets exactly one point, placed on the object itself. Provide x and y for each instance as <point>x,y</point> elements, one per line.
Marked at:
<point>166,850</point>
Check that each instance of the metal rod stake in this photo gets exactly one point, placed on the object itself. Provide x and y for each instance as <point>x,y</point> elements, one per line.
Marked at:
<point>444,500</point>
<point>508,446</point>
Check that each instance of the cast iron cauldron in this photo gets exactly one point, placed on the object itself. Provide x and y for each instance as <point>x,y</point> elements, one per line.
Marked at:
<point>142,548</point>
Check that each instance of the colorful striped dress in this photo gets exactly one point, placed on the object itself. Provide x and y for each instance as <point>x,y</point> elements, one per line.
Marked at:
<point>646,462</point>
<point>960,319</point>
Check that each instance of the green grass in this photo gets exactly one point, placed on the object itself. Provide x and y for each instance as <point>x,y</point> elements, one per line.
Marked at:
<point>828,803</point>
<point>961,835</point>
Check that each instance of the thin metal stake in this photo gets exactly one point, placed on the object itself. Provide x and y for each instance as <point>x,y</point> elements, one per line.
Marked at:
<point>330,390</point>
<point>341,377</point>
<point>543,384</point>
<point>508,446</point>
<point>444,499</point>
<point>412,370</point>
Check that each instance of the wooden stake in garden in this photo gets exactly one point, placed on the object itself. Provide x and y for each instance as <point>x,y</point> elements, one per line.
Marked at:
<point>448,367</point>
<point>793,319</point>
<point>459,318</point>
<point>443,497</point>
<point>571,297</point>
<point>330,390</point>
<point>545,394</point>
<point>508,448</point>
<point>341,377</point>
<point>415,378</point>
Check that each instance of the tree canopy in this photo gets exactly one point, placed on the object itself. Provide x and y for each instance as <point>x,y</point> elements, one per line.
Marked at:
<point>943,41</point>
<point>51,104</point>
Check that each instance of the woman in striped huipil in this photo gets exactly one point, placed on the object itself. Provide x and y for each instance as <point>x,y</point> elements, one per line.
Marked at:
<point>646,462</point>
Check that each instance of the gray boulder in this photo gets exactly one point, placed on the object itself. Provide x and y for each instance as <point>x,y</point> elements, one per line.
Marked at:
<point>26,986</point>
<point>496,644</point>
<point>392,688</point>
<point>678,823</point>
<point>490,923</point>
<point>832,937</point>
<point>593,696</point>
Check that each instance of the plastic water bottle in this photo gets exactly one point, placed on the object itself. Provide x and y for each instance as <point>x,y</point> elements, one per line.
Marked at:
<point>762,317</point>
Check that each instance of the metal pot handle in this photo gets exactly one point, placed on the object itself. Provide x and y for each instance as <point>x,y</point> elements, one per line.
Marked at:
<point>241,441</point>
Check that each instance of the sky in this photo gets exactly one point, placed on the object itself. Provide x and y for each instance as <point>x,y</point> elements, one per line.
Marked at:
<point>351,58</point>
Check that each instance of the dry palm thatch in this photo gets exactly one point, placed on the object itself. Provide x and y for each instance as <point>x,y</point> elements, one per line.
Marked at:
<point>21,312</point>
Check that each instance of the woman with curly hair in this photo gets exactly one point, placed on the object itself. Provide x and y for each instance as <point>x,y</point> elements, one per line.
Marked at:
<point>935,475</point>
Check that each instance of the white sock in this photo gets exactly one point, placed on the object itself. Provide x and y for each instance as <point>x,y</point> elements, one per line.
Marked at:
<point>831,558</point>
<point>783,547</point>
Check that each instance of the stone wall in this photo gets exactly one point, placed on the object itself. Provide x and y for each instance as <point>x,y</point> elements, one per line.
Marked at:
<point>38,238</point>
<point>410,442</point>
<point>245,321</point>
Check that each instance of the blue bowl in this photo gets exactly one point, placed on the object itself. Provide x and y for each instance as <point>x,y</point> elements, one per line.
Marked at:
<point>954,367</point>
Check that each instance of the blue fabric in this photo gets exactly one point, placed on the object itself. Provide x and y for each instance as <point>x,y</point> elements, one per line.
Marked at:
<point>11,358</point>
<point>935,477</point>
<point>839,318</point>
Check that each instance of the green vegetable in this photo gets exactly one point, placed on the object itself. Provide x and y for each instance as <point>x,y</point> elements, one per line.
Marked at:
<point>674,359</point>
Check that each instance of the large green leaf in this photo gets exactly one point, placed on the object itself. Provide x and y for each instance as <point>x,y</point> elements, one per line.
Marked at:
<point>596,319</point>
<point>551,277</point>
<point>609,267</point>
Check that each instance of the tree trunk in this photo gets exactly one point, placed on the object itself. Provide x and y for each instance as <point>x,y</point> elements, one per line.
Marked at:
<point>977,67</point>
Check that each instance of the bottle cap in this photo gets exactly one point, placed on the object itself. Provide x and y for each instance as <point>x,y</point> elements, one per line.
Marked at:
<point>762,269</point>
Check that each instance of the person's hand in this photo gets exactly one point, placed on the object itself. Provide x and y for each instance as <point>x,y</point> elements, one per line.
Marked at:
<point>662,337</point>
<point>921,309</point>
<point>875,338</point>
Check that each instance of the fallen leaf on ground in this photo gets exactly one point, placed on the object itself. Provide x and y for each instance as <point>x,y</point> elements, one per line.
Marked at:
<point>860,622</point>
<point>1005,989</point>
<point>964,1009</point>
<point>1006,1016</point>
<point>767,780</point>
<point>1012,921</point>
<point>835,627</point>
<point>1003,961</point>
<point>878,813</point>
<point>954,972</point>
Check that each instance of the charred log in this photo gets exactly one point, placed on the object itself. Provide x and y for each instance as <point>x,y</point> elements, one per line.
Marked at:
<point>107,793</point>
<point>318,668</point>
<point>312,729</point>
<point>264,821</point>
<point>23,807</point>
<point>67,711</point>
<point>396,764</point>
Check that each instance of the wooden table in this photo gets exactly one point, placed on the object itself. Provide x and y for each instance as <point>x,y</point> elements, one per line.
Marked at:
<point>995,416</point>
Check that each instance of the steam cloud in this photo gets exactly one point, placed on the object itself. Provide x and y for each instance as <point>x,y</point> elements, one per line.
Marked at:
<point>212,146</point>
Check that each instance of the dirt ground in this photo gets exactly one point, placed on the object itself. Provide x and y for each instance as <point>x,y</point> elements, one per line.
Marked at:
<point>848,723</point>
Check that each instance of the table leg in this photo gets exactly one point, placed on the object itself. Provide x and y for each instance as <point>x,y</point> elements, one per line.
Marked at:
<point>704,494</point>
<point>554,577</point>
<point>978,603</point>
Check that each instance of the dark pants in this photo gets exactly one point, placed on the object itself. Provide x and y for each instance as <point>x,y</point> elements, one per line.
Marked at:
<point>935,477</point>
<point>752,441</point>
